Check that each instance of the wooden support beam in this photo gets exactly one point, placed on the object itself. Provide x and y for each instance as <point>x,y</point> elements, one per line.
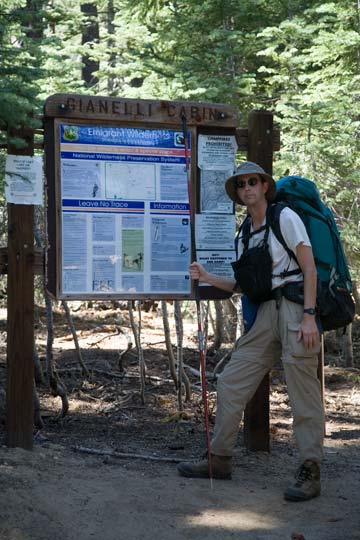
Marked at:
<point>39,261</point>
<point>242,139</point>
<point>257,417</point>
<point>20,317</point>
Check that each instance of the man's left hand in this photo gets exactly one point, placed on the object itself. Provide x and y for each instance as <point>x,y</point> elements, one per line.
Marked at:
<point>309,332</point>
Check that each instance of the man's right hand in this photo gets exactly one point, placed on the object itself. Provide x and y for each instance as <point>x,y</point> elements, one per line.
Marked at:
<point>198,272</point>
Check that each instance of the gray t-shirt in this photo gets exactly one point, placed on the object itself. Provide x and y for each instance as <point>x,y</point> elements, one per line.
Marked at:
<point>294,233</point>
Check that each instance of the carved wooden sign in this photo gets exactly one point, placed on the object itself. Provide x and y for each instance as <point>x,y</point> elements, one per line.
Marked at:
<point>136,110</point>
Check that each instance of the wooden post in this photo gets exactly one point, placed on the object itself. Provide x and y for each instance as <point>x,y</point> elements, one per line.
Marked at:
<point>257,412</point>
<point>20,317</point>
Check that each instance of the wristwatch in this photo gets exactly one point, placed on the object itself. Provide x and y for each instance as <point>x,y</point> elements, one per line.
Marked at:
<point>310,311</point>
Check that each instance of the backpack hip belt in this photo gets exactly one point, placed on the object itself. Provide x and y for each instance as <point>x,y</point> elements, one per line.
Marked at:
<point>294,292</point>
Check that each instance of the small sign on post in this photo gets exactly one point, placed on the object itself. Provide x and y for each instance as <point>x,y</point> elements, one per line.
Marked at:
<point>23,179</point>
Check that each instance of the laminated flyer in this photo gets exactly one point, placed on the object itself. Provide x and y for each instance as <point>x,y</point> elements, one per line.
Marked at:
<point>125,211</point>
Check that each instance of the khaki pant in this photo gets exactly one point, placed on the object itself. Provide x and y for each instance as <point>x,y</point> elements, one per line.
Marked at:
<point>273,335</point>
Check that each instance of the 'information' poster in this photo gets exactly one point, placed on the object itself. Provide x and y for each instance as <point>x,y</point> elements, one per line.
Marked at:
<point>125,210</point>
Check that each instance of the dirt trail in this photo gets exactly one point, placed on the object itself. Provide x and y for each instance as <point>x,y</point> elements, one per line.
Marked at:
<point>58,494</point>
<point>53,493</point>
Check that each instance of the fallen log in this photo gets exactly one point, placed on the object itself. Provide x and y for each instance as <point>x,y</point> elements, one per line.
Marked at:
<point>125,455</point>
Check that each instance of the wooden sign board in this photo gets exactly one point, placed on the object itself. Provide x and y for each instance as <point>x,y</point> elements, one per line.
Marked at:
<point>119,211</point>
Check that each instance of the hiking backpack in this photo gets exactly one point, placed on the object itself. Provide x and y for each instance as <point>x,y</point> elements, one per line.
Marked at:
<point>335,305</point>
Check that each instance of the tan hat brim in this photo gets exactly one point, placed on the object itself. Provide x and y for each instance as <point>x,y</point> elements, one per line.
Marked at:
<point>232,192</point>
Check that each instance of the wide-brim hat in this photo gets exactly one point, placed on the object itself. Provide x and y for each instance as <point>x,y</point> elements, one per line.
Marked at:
<point>248,167</point>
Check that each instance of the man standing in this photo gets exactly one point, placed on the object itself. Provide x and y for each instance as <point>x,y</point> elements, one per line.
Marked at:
<point>281,329</point>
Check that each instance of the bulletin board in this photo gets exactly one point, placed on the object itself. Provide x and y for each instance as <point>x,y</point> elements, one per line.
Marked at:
<point>128,206</point>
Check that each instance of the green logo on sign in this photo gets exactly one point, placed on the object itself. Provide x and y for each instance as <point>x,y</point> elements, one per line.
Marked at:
<point>71,133</point>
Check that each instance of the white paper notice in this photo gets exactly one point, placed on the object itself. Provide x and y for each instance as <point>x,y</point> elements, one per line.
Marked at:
<point>215,232</point>
<point>23,180</point>
<point>217,152</point>
<point>217,262</point>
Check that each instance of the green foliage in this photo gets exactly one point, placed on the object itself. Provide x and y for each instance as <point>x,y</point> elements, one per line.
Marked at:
<point>19,68</point>
<point>311,68</point>
<point>299,58</point>
<point>206,50</point>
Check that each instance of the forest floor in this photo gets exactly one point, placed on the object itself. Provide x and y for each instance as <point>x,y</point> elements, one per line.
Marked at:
<point>60,492</point>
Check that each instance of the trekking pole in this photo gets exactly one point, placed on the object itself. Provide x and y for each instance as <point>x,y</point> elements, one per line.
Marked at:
<point>197,300</point>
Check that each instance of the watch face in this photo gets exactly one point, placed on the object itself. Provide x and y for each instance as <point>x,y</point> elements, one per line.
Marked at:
<point>310,311</point>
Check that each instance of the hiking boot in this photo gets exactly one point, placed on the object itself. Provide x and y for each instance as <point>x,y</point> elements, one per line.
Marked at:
<point>220,465</point>
<point>307,483</point>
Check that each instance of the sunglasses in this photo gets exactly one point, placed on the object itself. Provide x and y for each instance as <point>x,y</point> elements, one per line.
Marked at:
<point>240,184</point>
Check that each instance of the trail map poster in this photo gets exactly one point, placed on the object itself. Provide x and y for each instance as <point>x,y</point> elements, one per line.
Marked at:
<point>125,215</point>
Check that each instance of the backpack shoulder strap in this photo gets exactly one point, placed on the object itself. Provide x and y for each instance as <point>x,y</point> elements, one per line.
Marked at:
<point>273,218</point>
<point>244,229</point>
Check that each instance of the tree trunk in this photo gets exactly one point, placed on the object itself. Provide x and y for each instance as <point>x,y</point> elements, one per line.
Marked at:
<point>90,37</point>
<point>65,305</point>
<point>111,46</point>
<point>137,337</point>
<point>179,333</point>
<point>225,327</point>
<point>35,26</point>
<point>170,352</point>
<point>230,313</point>
<point>53,380</point>
<point>356,298</point>
<point>181,375</point>
<point>219,336</point>
<point>348,351</point>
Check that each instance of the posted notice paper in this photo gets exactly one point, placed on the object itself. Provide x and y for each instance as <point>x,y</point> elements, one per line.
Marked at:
<point>24,180</point>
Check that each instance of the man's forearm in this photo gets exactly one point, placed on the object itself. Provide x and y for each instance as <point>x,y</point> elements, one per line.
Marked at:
<point>306,262</point>
<point>310,284</point>
<point>221,283</point>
